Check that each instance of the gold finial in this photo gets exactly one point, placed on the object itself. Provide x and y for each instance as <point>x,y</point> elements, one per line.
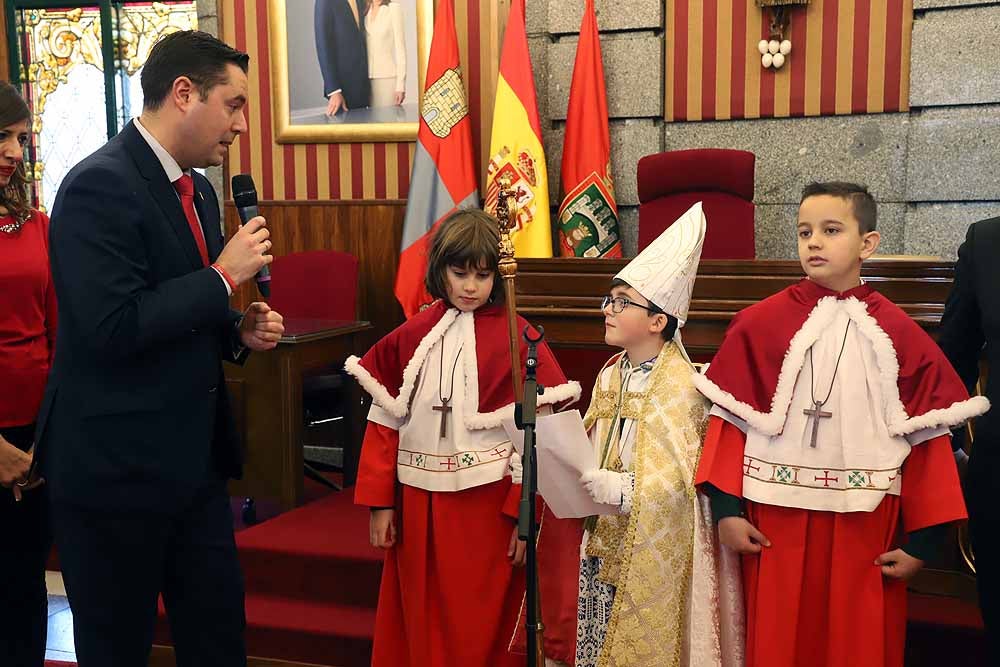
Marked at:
<point>506,207</point>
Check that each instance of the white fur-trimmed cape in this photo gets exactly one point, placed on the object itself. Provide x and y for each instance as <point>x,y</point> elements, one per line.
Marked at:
<point>389,371</point>
<point>754,372</point>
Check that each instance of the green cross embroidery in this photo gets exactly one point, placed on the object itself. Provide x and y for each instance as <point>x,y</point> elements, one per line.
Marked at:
<point>856,478</point>
<point>467,459</point>
<point>784,475</point>
<point>420,460</point>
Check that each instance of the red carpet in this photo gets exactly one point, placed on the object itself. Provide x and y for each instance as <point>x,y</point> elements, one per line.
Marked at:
<point>312,585</point>
<point>312,588</point>
<point>944,631</point>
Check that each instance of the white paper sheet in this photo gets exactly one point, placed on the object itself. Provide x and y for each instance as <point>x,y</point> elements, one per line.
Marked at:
<point>564,454</point>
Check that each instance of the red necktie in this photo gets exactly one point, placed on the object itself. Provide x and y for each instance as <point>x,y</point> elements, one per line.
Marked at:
<point>185,188</point>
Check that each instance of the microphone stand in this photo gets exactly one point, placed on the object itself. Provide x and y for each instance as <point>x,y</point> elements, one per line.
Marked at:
<point>525,402</point>
<point>527,528</point>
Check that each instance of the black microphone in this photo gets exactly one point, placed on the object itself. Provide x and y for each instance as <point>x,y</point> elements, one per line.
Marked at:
<point>245,198</point>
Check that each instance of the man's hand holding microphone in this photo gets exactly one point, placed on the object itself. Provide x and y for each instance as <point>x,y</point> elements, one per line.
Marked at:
<point>246,256</point>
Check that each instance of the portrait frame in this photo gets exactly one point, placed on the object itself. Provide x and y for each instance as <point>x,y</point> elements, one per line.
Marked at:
<point>287,132</point>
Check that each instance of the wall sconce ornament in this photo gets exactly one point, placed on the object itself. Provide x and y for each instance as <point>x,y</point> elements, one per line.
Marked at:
<point>774,51</point>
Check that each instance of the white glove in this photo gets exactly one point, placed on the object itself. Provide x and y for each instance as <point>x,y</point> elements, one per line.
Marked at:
<point>604,486</point>
<point>514,468</point>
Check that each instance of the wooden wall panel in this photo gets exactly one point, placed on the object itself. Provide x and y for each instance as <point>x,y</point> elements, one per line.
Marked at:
<point>369,230</point>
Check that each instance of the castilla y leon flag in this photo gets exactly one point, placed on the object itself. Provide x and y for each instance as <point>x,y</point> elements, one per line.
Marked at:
<point>516,143</point>
<point>588,215</point>
<point>443,176</point>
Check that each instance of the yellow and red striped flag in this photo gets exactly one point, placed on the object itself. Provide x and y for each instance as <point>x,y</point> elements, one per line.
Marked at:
<point>588,215</point>
<point>516,143</point>
<point>848,57</point>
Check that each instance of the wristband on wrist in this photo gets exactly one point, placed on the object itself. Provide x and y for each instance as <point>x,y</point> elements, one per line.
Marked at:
<point>225,276</point>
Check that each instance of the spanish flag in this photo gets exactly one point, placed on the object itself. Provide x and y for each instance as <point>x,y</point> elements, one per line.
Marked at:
<point>588,215</point>
<point>443,177</point>
<point>516,143</point>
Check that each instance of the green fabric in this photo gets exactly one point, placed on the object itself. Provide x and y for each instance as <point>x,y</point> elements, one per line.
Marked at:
<point>723,504</point>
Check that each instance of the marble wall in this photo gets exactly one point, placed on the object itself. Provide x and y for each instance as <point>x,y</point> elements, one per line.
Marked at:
<point>931,169</point>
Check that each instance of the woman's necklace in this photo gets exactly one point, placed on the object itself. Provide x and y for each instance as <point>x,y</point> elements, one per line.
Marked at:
<point>12,227</point>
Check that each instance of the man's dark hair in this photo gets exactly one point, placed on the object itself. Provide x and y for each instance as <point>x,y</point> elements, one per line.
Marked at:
<point>191,53</point>
<point>863,204</point>
<point>668,331</point>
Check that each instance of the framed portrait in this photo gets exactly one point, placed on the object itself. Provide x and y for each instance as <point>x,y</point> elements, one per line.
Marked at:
<point>348,70</point>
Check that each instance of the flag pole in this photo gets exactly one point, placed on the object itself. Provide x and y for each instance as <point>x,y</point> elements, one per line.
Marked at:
<point>505,213</point>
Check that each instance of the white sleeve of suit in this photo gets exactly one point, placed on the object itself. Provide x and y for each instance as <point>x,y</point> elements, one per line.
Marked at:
<point>399,45</point>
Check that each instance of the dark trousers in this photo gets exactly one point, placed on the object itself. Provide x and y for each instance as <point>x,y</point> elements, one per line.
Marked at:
<point>984,529</point>
<point>24,549</point>
<point>115,565</point>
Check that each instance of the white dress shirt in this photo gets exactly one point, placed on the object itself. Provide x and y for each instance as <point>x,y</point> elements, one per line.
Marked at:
<point>174,172</point>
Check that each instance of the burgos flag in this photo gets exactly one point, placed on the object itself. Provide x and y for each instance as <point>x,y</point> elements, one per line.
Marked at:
<point>588,215</point>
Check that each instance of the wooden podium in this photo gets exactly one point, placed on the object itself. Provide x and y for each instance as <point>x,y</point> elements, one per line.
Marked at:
<point>564,295</point>
<point>267,404</point>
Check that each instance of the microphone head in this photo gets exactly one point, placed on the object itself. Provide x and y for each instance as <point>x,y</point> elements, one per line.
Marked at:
<point>244,191</point>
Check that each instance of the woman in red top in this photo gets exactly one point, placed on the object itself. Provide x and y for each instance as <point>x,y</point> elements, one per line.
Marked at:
<point>27,341</point>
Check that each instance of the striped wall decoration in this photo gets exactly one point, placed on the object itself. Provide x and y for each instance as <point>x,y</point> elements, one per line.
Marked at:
<point>349,171</point>
<point>848,56</point>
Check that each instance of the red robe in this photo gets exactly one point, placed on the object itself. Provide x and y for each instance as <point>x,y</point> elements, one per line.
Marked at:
<point>816,597</point>
<point>449,596</point>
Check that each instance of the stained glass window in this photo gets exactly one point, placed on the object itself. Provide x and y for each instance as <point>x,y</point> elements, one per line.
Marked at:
<point>83,86</point>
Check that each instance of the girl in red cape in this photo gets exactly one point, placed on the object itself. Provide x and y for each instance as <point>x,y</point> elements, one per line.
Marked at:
<point>437,468</point>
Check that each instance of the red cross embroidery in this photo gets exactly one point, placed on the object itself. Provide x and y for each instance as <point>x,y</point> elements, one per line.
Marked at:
<point>499,452</point>
<point>749,466</point>
<point>449,463</point>
<point>826,479</point>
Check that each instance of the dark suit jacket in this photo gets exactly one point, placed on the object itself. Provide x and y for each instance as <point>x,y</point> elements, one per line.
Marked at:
<point>342,51</point>
<point>136,414</point>
<point>971,321</point>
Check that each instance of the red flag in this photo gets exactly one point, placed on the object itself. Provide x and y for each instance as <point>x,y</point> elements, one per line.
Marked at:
<point>443,176</point>
<point>588,215</point>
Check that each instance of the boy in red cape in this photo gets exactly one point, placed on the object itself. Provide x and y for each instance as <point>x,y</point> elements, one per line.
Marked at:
<point>437,469</point>
<point>828,455</point>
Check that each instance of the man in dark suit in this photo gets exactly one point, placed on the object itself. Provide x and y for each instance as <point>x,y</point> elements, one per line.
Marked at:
<point>970,325</point>
<point>343,54</point>
<point>135,433</point>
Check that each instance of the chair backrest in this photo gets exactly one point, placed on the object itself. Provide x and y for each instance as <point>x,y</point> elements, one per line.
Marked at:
<point>321,284</point>
<point>670,183</point>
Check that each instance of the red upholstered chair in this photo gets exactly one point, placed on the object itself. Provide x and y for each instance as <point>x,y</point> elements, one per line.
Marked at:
<point>671,182</point>
<point>322,284</point>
